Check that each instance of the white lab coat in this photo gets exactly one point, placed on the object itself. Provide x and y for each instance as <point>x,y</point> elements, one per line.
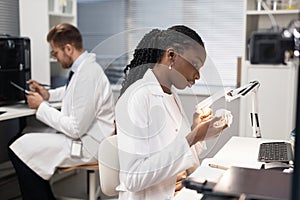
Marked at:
<point>87,113</point>
<point>151,141</point>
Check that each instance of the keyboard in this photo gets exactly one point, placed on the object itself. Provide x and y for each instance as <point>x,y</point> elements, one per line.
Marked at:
<point>275,152</point>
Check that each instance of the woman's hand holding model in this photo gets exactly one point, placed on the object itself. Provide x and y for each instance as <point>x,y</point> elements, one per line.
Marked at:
<point>204,127</point>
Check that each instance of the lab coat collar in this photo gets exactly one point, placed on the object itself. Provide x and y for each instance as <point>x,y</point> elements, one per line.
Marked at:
<point>89,57</point>
<point>78,61</point>
<point>82,61</point>
<point>149,77</point>
<point>157,89</point>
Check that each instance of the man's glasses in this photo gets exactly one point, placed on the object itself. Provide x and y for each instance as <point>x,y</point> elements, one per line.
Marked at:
<point>53,53</point>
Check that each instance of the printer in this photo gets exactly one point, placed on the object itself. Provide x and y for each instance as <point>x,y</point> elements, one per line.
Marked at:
<point>269,47</point>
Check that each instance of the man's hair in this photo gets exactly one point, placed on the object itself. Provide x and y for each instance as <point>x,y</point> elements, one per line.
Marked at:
<point>63,34</point>
<point>152,47</point>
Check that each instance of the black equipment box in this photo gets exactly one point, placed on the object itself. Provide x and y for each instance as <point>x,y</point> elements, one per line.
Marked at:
<point>268,47</point>
<point>15,66</point>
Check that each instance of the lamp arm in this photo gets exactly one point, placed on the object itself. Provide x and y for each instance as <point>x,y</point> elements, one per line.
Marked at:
<point>242,91</point>
<point>256,132</point>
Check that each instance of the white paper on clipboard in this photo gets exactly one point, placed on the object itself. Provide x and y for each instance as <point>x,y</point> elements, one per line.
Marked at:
<point>211,99</point>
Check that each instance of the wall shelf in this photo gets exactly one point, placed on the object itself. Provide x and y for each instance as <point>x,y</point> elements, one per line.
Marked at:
<point>56,14</point>
<point>273,12</point>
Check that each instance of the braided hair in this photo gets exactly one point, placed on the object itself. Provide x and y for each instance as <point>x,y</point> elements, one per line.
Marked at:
<point>145,56</point>
<point>188,32</point>
<point>152,47</point>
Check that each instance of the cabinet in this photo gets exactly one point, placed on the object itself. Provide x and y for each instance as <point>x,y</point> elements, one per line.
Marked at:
<point>276,95</point>
<point>36,18</point>
<point>276,100</point>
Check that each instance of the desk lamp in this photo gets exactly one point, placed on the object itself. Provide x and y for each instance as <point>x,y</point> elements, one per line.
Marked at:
<point>252,87</point>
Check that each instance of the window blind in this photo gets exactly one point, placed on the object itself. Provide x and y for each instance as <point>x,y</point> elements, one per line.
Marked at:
<point>9,17</point>
<point>100,22</point>
<point>219,23</point>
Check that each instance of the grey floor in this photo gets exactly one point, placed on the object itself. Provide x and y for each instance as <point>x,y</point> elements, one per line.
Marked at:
<point>66,186</point>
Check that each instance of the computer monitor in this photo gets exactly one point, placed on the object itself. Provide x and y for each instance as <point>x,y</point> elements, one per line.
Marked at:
<point>295,192</point>
<point>296,174</point>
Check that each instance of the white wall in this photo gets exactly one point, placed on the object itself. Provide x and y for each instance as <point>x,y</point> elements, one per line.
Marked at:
<point>34,23</point>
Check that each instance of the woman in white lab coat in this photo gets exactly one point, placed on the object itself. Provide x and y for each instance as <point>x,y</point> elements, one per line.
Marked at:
<point>155,139</point>
<point>85,119</point>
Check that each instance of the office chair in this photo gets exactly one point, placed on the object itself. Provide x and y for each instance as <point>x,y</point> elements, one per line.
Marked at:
<point>108,158</point>
<point>91,169</point>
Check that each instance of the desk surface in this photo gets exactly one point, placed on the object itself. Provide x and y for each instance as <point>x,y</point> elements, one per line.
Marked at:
<point>238,151</point>
<point>242,150</point>
<point>20,110</point>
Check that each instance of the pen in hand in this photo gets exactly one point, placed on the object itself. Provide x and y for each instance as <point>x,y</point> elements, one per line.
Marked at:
<point>218,166</point>
<point>45,85</point>
<point>41,84</point>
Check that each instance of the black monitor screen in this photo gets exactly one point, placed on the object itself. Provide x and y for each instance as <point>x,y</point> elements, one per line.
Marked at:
<point>296,174</point>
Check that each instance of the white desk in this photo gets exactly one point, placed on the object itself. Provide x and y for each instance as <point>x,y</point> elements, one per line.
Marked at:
<point>238,151</point>
<point>20,110</point>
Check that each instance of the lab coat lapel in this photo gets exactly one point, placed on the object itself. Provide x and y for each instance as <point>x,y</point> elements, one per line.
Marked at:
<point>158,91</point>
<point>177,99</point>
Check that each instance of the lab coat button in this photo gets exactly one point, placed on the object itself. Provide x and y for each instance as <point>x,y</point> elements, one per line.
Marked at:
<point>176,129</point>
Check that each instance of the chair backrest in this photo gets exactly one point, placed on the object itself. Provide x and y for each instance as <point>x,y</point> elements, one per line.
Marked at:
<point>108,159</point>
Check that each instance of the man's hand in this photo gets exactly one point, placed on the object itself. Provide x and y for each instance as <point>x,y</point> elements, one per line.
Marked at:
<point>34,100</point>
<point>36,87</point>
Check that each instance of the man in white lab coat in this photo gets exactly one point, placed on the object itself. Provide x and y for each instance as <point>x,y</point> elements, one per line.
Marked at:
<point>85,119</point>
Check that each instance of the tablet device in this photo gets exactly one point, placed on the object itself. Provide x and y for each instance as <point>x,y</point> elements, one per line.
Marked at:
<point>19,88</point>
